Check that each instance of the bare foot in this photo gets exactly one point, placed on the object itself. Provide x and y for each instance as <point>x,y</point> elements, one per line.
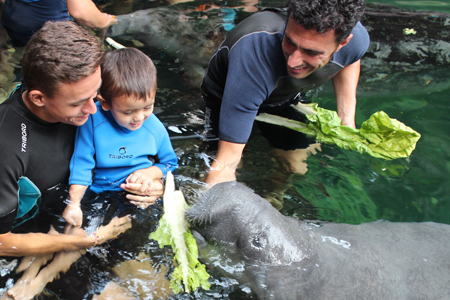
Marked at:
<point>26,290</point>
<point>33,263</point>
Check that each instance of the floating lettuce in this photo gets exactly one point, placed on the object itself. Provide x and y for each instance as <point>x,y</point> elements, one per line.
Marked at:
<point>379,136</point>
<point>173,231</point>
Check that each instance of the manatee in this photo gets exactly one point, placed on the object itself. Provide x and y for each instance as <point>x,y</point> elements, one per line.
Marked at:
<point>287,258</point>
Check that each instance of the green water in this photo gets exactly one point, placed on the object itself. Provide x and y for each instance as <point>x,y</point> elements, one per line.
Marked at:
<point>344,186</point>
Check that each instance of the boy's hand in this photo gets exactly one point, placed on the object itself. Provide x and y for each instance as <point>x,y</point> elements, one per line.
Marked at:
<point>145,177</point>
<point>143,199</point>
<point>73,215</point>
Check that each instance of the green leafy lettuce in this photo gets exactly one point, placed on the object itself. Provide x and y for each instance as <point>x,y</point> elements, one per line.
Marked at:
<point>379,136</point>
<point>173,231</point>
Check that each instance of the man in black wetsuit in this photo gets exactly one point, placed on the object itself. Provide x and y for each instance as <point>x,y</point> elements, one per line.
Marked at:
<point>61,77</point>
<point>269,58</point>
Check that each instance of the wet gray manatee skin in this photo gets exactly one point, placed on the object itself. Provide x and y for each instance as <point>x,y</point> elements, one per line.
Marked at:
<point>286,258</point>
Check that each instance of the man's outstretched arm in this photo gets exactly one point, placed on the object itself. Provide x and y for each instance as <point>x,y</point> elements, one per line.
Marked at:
<point>224,166</point>
<point>345,84</point>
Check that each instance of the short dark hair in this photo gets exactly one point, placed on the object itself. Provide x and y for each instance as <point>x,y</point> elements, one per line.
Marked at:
<point>127,71</point>
<point>325,15</point>
<point>60,52</point>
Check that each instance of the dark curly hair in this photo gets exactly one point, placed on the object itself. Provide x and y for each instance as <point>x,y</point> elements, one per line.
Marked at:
<point>325,15</point>
<point>60,52</point>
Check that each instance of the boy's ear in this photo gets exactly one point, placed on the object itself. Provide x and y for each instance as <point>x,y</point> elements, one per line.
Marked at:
<point>103,103</point>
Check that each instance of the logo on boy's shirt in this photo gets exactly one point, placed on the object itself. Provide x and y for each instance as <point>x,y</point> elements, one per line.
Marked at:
<point>122,154</point>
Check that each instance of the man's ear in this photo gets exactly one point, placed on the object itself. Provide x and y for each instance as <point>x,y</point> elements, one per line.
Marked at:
<point>344,42</point>
<point>37,98</point>
<point>103,103</point>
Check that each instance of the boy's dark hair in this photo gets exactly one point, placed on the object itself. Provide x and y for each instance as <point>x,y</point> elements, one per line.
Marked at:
<point>127,71</point>
<point>60,52</point>
<point>325,15</point>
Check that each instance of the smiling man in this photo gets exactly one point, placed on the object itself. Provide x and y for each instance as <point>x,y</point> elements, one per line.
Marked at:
<point>272,57</point>
<point>61,77</point>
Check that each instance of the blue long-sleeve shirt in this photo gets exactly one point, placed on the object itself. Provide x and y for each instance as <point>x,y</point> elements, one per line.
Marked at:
<point>114,152</point>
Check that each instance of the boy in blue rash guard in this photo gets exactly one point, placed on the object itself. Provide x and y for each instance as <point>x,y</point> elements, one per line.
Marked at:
<point>123,137</point>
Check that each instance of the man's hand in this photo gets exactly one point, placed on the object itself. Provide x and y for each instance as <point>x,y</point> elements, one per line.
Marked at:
<point>220,173</point>
<point>146,178</point>
<point>224,166</point>
<point>146,198</point>
<point>114,228</point>
<point>348,121</point>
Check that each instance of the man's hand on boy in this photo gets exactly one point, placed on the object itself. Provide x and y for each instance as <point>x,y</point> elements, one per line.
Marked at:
<point>146,198</point>
<point>145,177</point>
<point>145,186</point>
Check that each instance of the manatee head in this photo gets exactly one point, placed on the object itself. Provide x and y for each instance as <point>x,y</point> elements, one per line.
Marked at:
<point>214,215</point>
<point>231,214</point>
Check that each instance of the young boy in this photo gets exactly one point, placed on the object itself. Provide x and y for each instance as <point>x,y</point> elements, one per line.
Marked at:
<point>124,142</point>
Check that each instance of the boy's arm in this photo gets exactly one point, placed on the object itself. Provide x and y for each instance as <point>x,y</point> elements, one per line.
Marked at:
<point>81,165</point>
<point>73,214</point>
<point>168,160</point>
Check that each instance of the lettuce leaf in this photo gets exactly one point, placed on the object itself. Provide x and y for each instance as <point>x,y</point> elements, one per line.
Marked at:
<point>173,231</point>
<point>379,136</point>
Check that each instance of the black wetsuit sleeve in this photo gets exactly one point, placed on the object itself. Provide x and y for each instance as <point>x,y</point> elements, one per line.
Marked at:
<point>10,169</point>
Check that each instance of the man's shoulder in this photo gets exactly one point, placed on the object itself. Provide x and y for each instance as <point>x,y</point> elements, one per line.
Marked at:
<point>10,115</point>
<point>360,34</point>
<point>356,47</point>
<point>259,25</point>
<point>12,101</point>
